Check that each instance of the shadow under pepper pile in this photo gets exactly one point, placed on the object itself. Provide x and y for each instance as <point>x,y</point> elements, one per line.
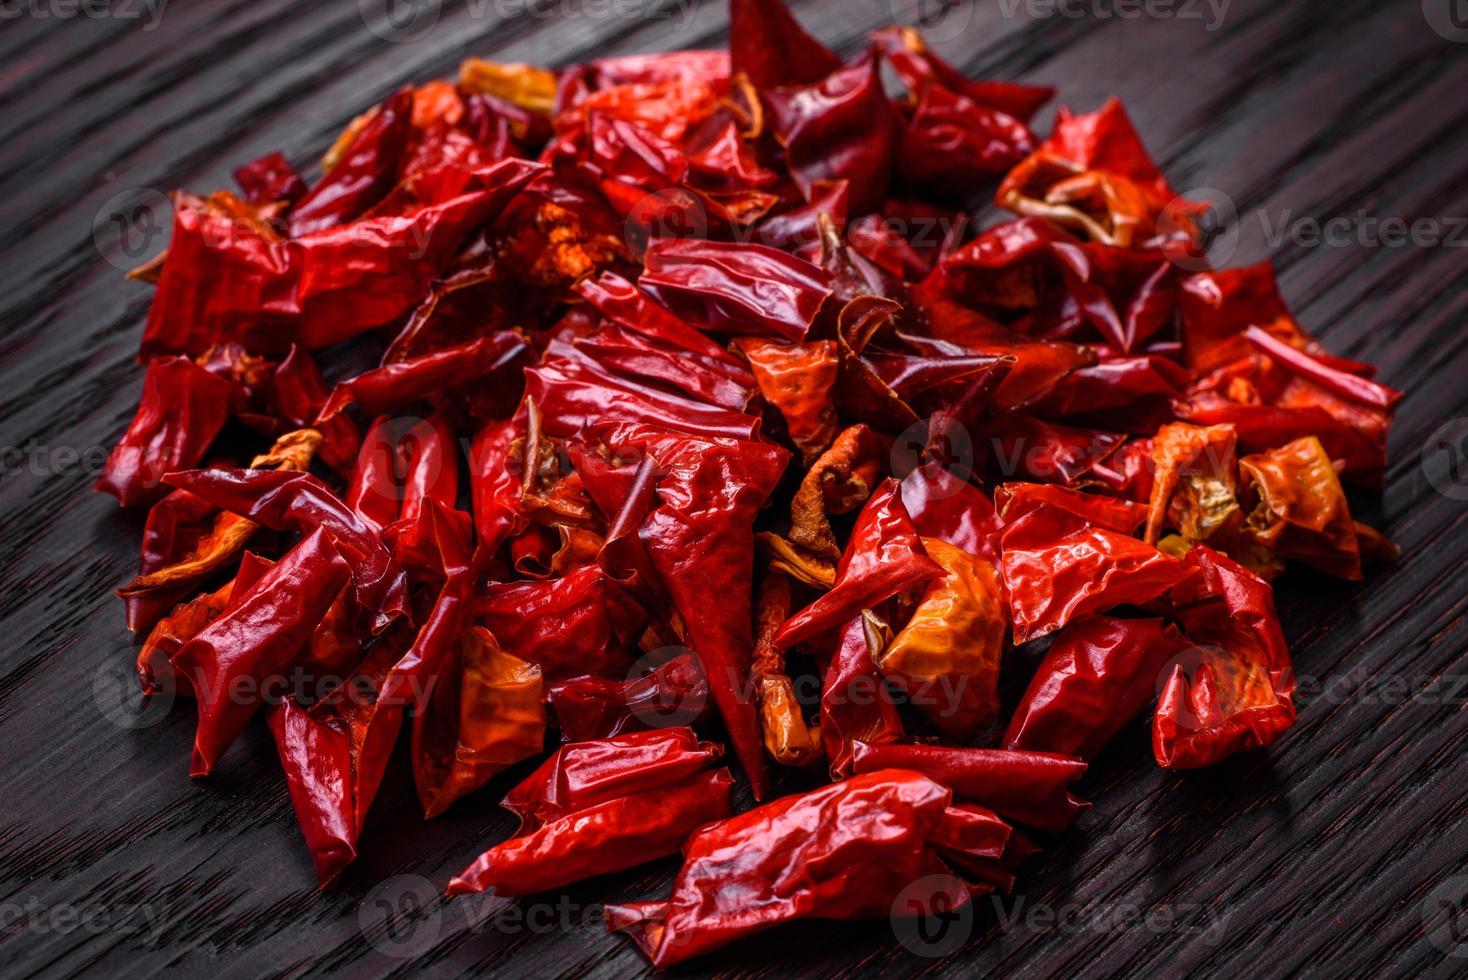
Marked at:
<point>703,413</point>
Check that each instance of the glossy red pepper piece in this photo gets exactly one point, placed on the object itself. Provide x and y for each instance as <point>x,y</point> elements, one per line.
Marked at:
<point>611,836</point>
<point>182,409</point>
<point>840,127</point>
<point>1027,787</point>
<point>269,179</point>
<point>294,501</point>
<point>843,851</point>
<point>770,47</point>
<point>855,703</point>
<point>1057,568</point>
<point>366,171</point>
<point>255,640</point>
<point>315,290</point>
<point>700,538</point>
<point>943,505</point>
<point>584,773</point>
<point>883,558</point>
<point>1235,691</point>
<point>562,625</point>
<point>602,806</point>
<point>297,393</point>
<point>393,385</point>
<point>735,288</point>
<point>605,705</point>
<point>1014,500</point>
<point>1098,675</point>
<point>572,390</point>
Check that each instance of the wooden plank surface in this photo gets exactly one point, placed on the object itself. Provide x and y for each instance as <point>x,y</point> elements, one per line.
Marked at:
<point>1326,856</point>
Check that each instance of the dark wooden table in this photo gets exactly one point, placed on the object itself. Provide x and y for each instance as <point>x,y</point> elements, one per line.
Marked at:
<point>1335,853</point>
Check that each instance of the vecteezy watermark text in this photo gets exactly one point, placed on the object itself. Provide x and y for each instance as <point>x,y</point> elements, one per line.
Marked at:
<point>150,12</point>
<point>1210,13</point>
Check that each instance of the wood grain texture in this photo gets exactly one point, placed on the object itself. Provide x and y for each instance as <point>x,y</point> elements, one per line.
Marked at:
<point>1318,857</point>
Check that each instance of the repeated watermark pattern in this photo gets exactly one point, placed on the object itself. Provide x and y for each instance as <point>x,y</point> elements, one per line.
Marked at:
<point>1220,229</point>
<point>1208,13</point>
<point>404,916</point>
<point>406,21</point>
<point>32,916</point>
<point>1445,917</point>
<point>1449,18</point>
<point>931,918</point>
<point>147,13</point>
<point>1445,459</point>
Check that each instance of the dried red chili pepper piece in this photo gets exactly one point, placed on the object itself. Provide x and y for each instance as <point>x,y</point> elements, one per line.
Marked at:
<point>604,705</point>
<point>1235,691</point>
<point>1057,567</point>
<point>700,538</point>
<point>602,806</point>
<point>294,501</point>
<point>1027,787</point>
<point>883,557</point>
<point>254,640</point>
<point>182,409</point>
<point>1098,675</point>
<point>844,851</point>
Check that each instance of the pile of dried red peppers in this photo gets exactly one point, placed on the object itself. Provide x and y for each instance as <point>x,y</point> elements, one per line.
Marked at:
<point>696,391</point>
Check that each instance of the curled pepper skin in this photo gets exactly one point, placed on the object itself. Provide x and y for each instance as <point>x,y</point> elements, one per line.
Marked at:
<point>1302,513</point>
<point>844,851</point>
<point>213,549</point>
<point>606,837</point>
<point>365,171</point>
<point>1098,675</point>
<point>182,409</point>
<point>1057,568</point>
<point>1194,485</point>
<point>561,625</point>
<point>840,127</point>
<point>270,178</point>
<point>256,638</point>
<point>392,385</point>
<point>584,773</point>
<point>770,47</point>
<point>946,507</point>
<point>295,501</point>
<point>883,558</point>
<point>737,289</point>
<point>1027,787</point>
<point>700,539</point>
<point>947,657</point>
<point>489,720</point>
<point>1236,690</point>
<point>798,380</point>
<point>602,705</point>
<point>314,290</point>
<point>855,705</point>
<point>601,806</point>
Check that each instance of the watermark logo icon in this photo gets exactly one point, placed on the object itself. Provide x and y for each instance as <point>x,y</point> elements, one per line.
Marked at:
<point>1445,916</point>
<point>1445,459</point>
<point>933,916</point>
<point>119,696</point>
<point>1448,18</point>
<point>658,704</point>
<point>937,20</point>
<point>400,917</point>
<point>400,21</point>
<point>1199,239</point>
<point>131,226</point>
